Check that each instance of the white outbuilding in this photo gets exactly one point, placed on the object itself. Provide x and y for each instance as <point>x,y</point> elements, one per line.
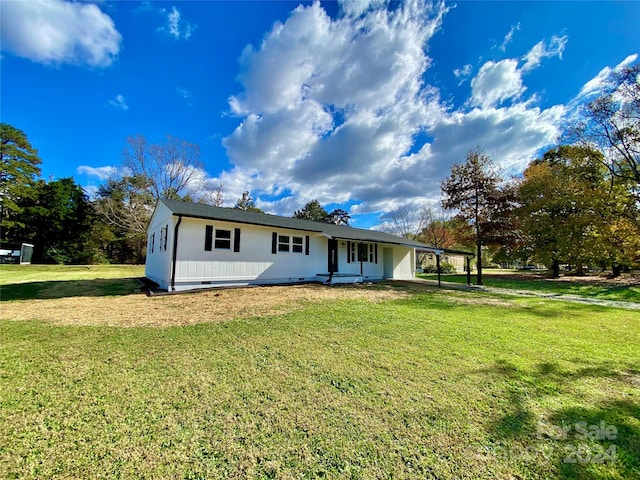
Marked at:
<point>199,246</point>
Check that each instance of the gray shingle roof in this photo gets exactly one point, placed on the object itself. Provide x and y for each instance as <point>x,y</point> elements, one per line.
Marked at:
<point>195,210</point>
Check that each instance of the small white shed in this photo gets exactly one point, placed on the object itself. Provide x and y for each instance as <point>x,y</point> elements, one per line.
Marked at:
<point>199,246</point>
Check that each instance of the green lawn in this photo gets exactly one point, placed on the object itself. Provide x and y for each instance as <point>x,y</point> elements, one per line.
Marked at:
<point>10,274</point>
<point>22,282</point>
<point>584,289</point>
<point>435,385</point>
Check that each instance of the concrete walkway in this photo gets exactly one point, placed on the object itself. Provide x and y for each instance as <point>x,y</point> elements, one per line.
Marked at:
<point>529,293</point>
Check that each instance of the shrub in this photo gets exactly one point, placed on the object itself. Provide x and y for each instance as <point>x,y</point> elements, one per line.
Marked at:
<point>445,267</point>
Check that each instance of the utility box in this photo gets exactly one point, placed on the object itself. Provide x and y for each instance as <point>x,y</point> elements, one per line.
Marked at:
<point>16,253</point>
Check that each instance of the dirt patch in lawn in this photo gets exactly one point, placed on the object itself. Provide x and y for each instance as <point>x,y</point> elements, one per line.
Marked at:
<point>191,308</point>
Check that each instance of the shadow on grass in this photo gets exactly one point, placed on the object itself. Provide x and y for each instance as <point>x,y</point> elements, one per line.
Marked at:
<point>599,290</point>
<point>599,441</point>
<point>605,433</point>
<point>99,287</point>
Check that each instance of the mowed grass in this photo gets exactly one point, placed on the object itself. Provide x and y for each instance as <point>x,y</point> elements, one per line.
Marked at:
<point>433,385</point>
<point>602,290</point>
<point>22,282</point>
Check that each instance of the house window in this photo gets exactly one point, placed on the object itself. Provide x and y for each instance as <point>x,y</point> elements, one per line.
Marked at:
<point>283,243</point>
<point>152,241</point>
<point>163,238</point>
<point>291,244</point>
<point>221,239</point>
<point>362,252</point>
<point>296,244</point>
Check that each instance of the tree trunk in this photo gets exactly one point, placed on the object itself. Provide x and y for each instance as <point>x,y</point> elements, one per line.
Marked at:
<point>579,268</point>
<point>616,270</point>
<point>479,281</point>
<point>555,268</point>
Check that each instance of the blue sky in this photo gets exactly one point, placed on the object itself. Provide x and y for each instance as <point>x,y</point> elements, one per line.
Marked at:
<point>363,105</point>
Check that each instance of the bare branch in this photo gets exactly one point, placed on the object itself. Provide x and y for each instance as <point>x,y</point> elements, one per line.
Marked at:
<point>173,168</point>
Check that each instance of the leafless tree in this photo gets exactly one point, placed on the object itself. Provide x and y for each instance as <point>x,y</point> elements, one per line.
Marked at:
<point>172,168</point>
<point>407,220</point>
<point>213,195</point>
<point>612,124</point>
<point>127,204</point>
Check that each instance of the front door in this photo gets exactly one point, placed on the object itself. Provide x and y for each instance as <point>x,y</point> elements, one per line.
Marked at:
<point>333,255</point>
<point>387,255</point>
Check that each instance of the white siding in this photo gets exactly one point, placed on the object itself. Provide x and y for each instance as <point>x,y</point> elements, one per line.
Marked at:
<point>254,263</point>
<point>370,270</point>
<point>403,263</point>
<point>158,262</point>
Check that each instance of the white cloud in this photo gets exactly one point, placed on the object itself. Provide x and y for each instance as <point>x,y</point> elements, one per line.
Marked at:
<point>327,103</point>
<point>173,23</point>
<point>463,74</point>
<point>595,86</point>
<point>58,32</point>
<point>103,173</point>
<point>541,50</point>
<point>508,37</point>
<point>497,82</point>
<point>358,7</point>
<point>119,102</point>
<point>91,191</point>
<point>338,110</point>
<point>184,93</point>
<point>176,26</point>
<point>510,135</point>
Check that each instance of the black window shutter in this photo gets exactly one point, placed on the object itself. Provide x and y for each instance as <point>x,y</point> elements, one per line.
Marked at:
<point>236,240</point>
<point>208,238</point>
<point>274,242</point>
<point>375,252</point>
<point>348,252</point>
<point>166,234</point>
<point>306,245</point>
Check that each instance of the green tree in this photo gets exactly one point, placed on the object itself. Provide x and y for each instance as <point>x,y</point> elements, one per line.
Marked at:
<point>338,216</point>
<point>315,212</point>
<point>18,171</point>
<point>58,220</point>
<point>247,203</point>
<point>619,244</point>
<point>312,211</point>
<point>572,213</point>
<point>479,194</point>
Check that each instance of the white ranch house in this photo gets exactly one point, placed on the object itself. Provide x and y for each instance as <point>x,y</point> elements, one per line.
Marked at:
<point>198,246</point>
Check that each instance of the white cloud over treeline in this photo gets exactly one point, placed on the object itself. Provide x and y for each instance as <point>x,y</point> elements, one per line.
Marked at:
<point>338,109</point>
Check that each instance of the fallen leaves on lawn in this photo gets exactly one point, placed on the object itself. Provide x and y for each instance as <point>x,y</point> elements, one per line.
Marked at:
<point>213,305</point>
